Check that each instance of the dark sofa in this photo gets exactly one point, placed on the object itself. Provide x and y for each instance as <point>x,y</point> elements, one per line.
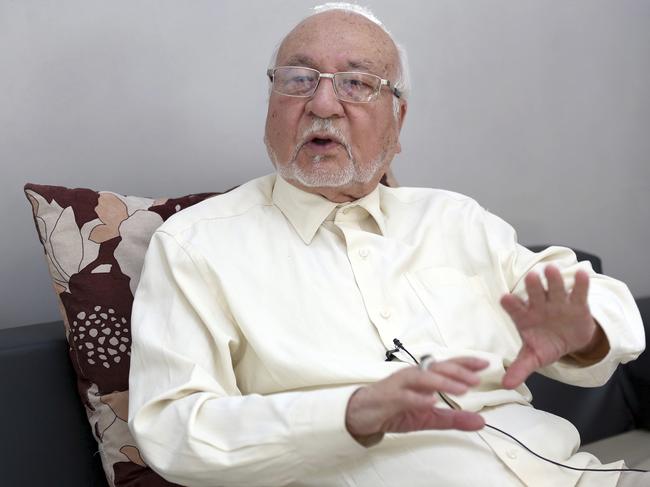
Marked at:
<point>45,437</point>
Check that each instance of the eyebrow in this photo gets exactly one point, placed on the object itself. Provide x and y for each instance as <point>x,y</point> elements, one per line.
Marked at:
<point>364,64</point>
<point>300,60</point>
<point>309,62</point>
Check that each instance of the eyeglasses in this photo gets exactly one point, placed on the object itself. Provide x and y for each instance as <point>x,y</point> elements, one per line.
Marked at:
<point>348,86</point>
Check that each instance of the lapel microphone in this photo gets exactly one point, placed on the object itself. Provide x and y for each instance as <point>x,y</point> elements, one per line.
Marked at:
<point>390,354</point>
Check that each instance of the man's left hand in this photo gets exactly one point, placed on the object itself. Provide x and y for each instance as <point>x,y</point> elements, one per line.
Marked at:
<point>552,324</point>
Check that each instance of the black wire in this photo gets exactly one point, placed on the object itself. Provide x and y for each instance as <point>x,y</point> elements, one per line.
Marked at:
<point>399,345</point>
<point>561,464</point>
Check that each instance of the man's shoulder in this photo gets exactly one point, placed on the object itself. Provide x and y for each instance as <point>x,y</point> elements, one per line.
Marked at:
<point>438,210</point>
<point>235,203</point>
<point>426,197</point>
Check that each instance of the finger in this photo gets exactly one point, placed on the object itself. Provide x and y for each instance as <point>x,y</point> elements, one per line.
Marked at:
<point>416,401</point>
<point>535,290</point>
<point>556,290</point>
<point>580,288</point>
<point>456,371</point>
<point>514,306</point>
<point>460,420</point>
<point>472,363</point>
<point>430,382</point>
<point>525,364</point>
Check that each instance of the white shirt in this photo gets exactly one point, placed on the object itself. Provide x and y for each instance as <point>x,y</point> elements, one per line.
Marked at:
<point>259,312</point>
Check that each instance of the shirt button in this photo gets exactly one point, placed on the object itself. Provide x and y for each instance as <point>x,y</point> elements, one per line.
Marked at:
<point>385,313</point>
<point>512,454</point>
<point>364,253</point>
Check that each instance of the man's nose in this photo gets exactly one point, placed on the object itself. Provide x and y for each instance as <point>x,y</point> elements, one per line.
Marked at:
<point>324,103</point>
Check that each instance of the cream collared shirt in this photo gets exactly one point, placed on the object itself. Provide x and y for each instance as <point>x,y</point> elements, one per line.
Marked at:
<point>259,312</point>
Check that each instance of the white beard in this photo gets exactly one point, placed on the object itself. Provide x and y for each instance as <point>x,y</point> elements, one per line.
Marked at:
<point>320,174</point>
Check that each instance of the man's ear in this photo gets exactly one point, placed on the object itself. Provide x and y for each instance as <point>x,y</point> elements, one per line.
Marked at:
<point>400,122</point>
<point>402,113</point>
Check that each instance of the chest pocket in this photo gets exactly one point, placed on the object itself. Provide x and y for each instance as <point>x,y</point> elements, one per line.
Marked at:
<point>463,311</point>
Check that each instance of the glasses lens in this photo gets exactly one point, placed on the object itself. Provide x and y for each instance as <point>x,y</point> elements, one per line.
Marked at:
<point>295,81</point>
<point>357,87</point>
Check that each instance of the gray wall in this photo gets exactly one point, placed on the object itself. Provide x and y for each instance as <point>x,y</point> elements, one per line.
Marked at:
<point>540,109</point>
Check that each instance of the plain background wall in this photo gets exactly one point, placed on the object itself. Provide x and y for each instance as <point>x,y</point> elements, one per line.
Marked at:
<point>540,109</point>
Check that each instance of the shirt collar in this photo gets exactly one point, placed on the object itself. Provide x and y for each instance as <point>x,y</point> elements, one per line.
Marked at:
<point>307,211</point>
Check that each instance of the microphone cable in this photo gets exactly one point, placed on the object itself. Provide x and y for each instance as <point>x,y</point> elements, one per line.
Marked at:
<point>390,355</point>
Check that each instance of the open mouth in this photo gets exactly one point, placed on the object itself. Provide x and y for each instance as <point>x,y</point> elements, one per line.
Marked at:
<point>322,144</point>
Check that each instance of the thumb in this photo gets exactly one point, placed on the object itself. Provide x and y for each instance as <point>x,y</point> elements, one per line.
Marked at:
<point>525,364</point>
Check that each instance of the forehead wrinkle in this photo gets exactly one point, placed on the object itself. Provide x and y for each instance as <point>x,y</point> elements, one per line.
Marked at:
<point>305,60</point>
<point>363,64</point>
<point>300,60</point>
<point>344,25</point>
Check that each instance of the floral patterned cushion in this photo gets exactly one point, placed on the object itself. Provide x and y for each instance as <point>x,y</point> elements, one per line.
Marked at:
<point>94,245</point>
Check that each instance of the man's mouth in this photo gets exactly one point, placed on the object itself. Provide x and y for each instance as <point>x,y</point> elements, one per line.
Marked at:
<point>323,144</point>
<point>319,141</point>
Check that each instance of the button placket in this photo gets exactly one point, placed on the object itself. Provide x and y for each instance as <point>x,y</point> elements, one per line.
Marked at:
<point>360,255</point>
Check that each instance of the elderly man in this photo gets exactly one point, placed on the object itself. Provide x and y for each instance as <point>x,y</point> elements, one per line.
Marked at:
<point>277,327</point>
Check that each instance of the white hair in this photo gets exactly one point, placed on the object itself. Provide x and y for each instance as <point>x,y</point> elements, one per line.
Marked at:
<point>403,81</point>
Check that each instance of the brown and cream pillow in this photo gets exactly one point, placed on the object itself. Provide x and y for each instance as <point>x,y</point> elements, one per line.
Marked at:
<point>95,243</point>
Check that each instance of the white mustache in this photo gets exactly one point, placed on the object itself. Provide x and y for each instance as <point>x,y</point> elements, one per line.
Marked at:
<point>323,126</point>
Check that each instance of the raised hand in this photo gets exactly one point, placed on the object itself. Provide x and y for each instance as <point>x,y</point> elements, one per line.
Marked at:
<point>552,324</point>
<point>405,401</point>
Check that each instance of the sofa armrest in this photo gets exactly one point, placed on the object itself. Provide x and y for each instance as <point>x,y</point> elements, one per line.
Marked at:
<point>46,439</point>
<point>596,412</point>
<point>638,371</point>
<point>632,446</point>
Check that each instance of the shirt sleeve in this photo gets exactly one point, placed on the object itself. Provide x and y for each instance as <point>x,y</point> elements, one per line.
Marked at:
<point>610,301</point>
<point>186,413</point>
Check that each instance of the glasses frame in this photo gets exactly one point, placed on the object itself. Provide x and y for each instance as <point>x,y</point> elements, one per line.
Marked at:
<point>382,82</point>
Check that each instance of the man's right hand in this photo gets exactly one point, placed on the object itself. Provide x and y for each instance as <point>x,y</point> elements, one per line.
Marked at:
<point>405,401</point>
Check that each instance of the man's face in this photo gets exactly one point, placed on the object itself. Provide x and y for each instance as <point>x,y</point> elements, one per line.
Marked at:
<point>321,142</point>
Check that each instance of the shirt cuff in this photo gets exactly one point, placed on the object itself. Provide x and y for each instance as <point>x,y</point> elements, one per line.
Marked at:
<point>625,344</point>
<point>318,423</point>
